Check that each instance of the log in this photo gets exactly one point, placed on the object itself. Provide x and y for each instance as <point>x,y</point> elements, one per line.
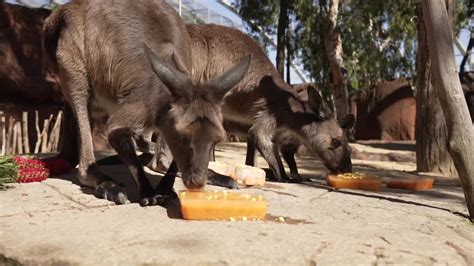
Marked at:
<point>26,142</point>
<point>448,88</point>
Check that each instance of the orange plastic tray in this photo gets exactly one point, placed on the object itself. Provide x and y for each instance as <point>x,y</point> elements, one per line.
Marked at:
<point>416,184</point>
<point>365,183</point>
<point>222,205</point>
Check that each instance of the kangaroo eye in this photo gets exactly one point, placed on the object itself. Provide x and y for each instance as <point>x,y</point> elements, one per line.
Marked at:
<point>335,143</point>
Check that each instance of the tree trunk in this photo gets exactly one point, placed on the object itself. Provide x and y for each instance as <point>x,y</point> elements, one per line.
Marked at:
<point>45,134</point>
<point>4,133</point>
<point>448,88</point>
<point>333,44</point>
<point>8,141</point>
<point>281,37</point>
<point>288,56</point>
<point>55,132</point>
<point>431,132</point>
<point>19,137</point>
<point>26,141</point>
<point>15,139</point>
<point>38,133</point>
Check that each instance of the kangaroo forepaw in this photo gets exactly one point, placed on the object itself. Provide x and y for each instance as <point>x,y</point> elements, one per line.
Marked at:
<point>111,191</point>
<point>158,199</point>
<point>158,166</point>
<point>270,176</point>
<point>219,180</point>
<point>296,178</point>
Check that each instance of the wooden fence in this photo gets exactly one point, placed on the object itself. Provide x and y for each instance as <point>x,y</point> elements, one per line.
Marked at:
<point>18,136</point>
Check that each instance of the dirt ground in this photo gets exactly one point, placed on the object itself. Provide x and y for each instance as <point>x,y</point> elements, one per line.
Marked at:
<point>58,222</point>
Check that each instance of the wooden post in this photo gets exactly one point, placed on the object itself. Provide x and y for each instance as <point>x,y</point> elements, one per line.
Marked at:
<point>19,137</point>
<point>448,88</point>
<point>8,142</point>
<point>54,136</point>
<point>38,133</point>
<point>45,133</point>
<point>26,141</point>
<point>15,138</point>
<point>4,134</point>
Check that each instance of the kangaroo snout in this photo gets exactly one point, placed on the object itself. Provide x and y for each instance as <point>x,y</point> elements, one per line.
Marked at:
<point>194,181</point>
<point>344,167</point>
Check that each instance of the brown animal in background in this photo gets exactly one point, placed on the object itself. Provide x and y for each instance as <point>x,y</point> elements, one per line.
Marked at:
<point>288,144</point>
<point>106,62</point>
<point>25,78</point>
<point>386,111</point>
<point>264,106</point>
<point>27,82</point>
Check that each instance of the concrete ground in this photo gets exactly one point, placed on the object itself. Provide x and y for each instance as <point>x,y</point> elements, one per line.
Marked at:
<point>57,222</point>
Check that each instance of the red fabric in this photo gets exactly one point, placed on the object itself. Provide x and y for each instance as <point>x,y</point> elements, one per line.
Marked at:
<point>58,166</point>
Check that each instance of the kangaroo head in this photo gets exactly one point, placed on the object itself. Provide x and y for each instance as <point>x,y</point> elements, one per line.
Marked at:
<point>195,118</point>
<point>326,136</point>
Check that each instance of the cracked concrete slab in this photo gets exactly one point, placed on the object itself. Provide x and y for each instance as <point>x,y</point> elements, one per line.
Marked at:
<point>69,187</point>
<point>33,198</point>
<point>59,223</point>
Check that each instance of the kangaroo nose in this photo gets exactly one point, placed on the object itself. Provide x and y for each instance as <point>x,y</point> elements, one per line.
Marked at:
<point>347,166</point>
<point>194,182</point>
<point>344,167</point>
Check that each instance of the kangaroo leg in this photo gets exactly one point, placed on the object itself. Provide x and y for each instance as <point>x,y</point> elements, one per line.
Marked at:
<point>69,148</point>
<point>212,156</point>
<point>76,90</point>
<point>164,190</point>
<point>288,152</point>
<point>163,154</point>
<point>70,145</point>
<point>268,150</point>
<point>162,157</point>
<point>121,133</point>
<point>250,158</point>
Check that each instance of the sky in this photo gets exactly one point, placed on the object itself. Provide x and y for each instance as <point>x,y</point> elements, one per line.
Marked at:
<point>217,7</point>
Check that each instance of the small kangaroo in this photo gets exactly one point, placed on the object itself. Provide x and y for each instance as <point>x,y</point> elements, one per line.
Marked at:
<point>263,106</point>
<point>133,58</point>
<point>288,144</point>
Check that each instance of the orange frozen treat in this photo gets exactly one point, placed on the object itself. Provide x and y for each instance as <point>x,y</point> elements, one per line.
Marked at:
<point>416,184</point>
<point>354,181</point>
<point>222,205</point>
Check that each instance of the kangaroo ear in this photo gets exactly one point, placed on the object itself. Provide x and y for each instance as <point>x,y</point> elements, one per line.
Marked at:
<point>317,104</point>
<point>347,122</point>
<point>176,82</point>
<point>226,81</point>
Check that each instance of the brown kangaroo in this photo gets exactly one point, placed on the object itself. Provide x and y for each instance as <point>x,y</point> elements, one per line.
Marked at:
<point>134,60</point>
<point>265,107</point>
